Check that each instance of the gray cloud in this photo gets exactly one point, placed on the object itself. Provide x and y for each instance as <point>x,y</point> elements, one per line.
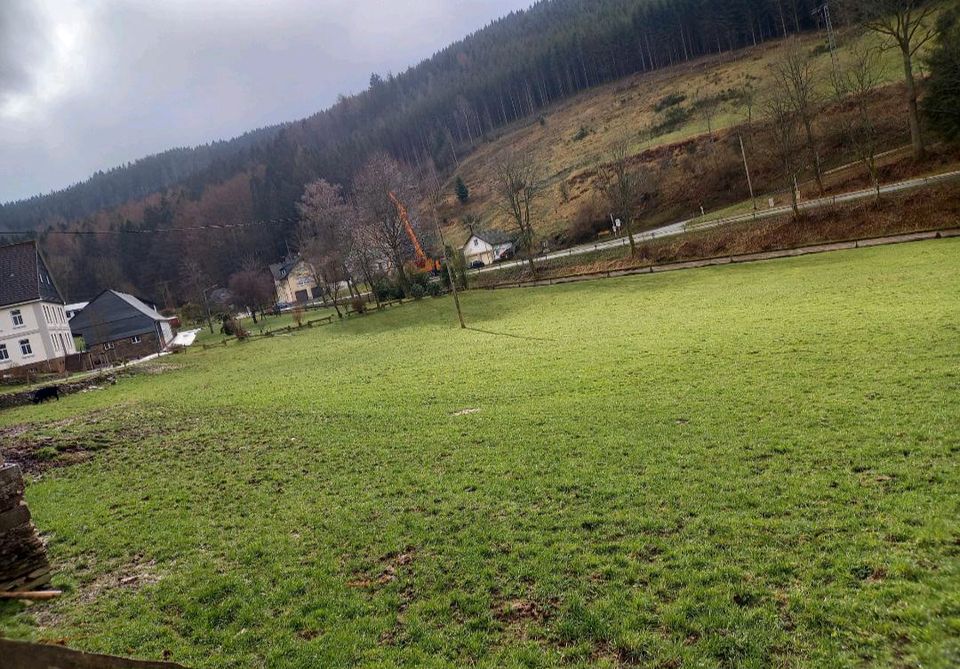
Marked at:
<point>89,84</point>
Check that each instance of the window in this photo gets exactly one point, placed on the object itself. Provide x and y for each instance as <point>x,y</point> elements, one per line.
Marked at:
<point>135,339</point>
<point>63,343</point>
<point>53,340</point>
<point>25,348</point>
<point>17,318</point>
<point>108,346</point>
<point>3,352</point>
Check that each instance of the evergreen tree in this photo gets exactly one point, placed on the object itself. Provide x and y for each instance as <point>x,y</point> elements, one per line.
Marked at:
<point>463,193</point>
<point>942,104</point>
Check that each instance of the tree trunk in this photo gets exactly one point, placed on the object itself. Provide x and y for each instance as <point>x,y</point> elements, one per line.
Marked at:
<point>633,244</point>
<point>916,136</point>
<point>814,154</point>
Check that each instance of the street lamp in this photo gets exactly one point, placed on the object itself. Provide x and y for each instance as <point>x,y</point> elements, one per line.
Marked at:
<point>206,305</point>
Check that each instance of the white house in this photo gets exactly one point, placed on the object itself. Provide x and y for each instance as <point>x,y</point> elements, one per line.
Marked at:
<point>486,247</point>
<point>34,329</point>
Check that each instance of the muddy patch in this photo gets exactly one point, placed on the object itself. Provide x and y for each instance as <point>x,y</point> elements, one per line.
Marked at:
<point>37,448</point>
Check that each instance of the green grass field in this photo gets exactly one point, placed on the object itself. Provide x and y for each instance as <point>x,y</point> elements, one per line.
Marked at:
<point>744,466</point>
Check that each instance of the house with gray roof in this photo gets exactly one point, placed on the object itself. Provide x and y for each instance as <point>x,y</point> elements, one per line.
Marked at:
<point>487,247</point>
<point>295,281</point>
<point>34,330</point>
<point>117,327</point>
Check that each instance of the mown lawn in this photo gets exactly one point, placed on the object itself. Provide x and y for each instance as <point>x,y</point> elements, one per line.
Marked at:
<point>745,466</point>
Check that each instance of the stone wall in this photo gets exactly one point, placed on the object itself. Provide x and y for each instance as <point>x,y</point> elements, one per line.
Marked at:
<point>16,399</point>
<point>23,557</point>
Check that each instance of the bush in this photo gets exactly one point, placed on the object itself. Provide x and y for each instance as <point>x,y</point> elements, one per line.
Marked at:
<point>358,305</point>
<point>587,223</point>
<point>386,289</point>
<point>671,100</point>
<point>674,119</point>
<point>582,133</point>
<point>419,283</point>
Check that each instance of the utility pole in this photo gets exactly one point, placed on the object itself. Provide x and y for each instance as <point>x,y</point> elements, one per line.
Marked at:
<point>823,11</point>
<point>446,261</point>
<point>746,168</point>
<point>434,200</point>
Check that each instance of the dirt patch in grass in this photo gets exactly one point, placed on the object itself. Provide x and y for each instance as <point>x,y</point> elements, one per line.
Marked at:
<point>138,573</point>
<point>392,564</point>
<point>38,448</point>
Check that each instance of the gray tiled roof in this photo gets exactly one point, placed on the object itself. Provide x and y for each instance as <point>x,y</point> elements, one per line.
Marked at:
<point>24,276</point>
<point>493,237</point>
<point>281,270</point>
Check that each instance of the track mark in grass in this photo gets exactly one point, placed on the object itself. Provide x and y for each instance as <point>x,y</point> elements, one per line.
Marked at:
<point>519,611</point>
<point>392,565</point>
<point>466,412</point>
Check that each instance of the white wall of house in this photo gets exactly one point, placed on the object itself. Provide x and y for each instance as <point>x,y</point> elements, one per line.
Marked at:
<point>476,249</point>
<point>32,333</point>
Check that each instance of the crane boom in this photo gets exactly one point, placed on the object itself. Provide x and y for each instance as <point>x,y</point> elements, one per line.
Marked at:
<point>422,259</point>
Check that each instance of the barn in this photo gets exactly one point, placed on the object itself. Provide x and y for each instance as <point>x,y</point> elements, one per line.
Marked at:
<point>122,326</point>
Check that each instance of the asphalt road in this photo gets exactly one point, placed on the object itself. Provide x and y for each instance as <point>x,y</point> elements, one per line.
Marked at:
<point>704,223</point>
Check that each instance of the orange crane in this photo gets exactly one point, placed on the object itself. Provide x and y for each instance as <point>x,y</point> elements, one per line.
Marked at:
<point>423,261</point>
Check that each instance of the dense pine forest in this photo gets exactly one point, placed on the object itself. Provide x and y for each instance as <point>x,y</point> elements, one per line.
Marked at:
<point>432,114</point>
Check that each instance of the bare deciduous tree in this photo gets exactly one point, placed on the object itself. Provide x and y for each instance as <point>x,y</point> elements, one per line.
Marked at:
<point>372,186</point>
<point>855,83</point>
<point>252,287</point>
<point>908,25</point>
<point>518,186</point>
<point>785,133</point>
<point>795,77</point>
<point>323,236</point>
<point>625,188</point>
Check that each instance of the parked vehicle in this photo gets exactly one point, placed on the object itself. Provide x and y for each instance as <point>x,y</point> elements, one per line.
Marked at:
<point>477,264</point>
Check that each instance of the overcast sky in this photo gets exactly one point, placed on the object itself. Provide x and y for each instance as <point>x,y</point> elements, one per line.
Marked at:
<point>91,84</point>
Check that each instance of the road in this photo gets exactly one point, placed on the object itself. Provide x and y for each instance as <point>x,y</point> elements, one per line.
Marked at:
<point>702,223</point>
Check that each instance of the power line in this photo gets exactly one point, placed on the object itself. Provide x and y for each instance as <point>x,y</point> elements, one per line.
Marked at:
<point>147,231</point>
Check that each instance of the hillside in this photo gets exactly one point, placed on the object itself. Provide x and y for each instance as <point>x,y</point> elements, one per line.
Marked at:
<point>691,166</point>
<point>435,113</point>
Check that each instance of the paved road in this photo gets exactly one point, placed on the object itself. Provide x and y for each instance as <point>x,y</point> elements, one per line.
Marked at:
<point>701,223</point>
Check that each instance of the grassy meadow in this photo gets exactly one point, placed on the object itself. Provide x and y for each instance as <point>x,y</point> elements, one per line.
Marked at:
<point>742,466</point>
